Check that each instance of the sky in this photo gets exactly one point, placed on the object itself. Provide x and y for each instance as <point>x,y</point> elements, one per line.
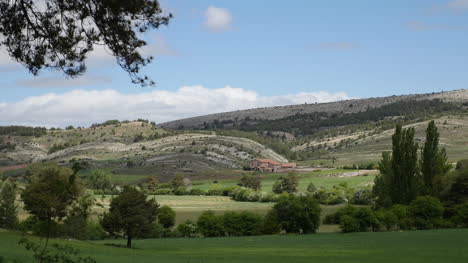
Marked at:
<point>218,56</point>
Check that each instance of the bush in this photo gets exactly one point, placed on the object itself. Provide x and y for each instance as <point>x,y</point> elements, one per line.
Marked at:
<point>362,197</point>
<point>166,216</point>
<point>426,211</point>
<point>403,220</point>
<point>195,191</point>
<point>349,224</point>
<point>335,219</point>
<point>210,225</point>
<point>250,181</point>
<point>366,219</point>
<point>187,229</point>
<point>242,224</point>
<point>270,224</point>
<point>298,214</point>
<point>181,190</point>
<point>461,215</point>
<point>311,188</point>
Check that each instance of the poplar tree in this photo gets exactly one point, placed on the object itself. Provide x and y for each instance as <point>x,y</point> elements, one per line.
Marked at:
<point>397,183</point>
<point>8,207</point>
<point>433,161</point>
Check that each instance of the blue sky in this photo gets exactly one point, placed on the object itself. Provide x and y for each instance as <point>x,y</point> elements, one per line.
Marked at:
<point>272,50</point>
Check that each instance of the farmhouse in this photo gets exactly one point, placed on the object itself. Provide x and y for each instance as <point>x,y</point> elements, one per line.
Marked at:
<point>268,165</point>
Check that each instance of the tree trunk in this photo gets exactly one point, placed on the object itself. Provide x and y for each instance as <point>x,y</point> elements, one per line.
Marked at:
<point>129,242</point>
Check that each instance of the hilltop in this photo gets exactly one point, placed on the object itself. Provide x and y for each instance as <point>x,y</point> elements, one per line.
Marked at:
<point>346,106</point>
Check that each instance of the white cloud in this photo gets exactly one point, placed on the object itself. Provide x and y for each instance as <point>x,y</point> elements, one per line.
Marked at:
<point>81,107</point>
<point>217,19</point>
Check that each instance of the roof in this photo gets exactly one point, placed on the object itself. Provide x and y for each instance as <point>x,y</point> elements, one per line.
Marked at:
<point>288,165</point>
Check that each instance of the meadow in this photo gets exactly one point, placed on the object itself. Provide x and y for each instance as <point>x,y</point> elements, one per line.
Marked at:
<point>325,178</point>
<point>411,246</point>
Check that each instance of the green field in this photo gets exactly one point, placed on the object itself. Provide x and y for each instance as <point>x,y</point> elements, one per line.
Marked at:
<point>412,246</point>
<point>190,207</point>
<point>325,178</point>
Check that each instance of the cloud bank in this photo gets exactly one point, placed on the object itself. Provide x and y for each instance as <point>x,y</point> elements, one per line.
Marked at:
<point>84,107</point>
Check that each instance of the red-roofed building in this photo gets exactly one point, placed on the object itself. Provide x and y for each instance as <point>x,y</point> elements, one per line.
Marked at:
<point>268,165</point>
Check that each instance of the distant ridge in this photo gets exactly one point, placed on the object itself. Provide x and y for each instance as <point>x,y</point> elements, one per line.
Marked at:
<point>349,106</point>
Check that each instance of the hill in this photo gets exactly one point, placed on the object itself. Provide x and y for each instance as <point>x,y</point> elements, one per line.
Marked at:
<point>347,106</point>
<point>134,148</point>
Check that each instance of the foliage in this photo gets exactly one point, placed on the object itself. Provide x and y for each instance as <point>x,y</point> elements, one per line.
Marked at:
<point>299,214</point>
<point>286,184</point>
<point>434,163</point>
<point>76,224</point>
<point>22,130</point>
<point>8,207</point>
<point>426,211</point>
<point>311,188</point>
<point>58,254</point>
<point>131,214</point>
<point>250,181</point>
<point>461,215</point>
<point>187,229</point>
<point>210,225</point>
<point>61,34</point>
<point>48,195</point>
<point>99,179</point>
<point>397,183</point>
<point>242,224</point>
<point>166,216</point>
<point>311,123</point>
<point>462,165</point>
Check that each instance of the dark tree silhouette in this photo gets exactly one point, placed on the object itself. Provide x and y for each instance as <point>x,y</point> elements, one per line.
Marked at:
<point>59,34</point>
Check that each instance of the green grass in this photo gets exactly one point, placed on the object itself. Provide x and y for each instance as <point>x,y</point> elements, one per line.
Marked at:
<point>412,246</point>
<point>323,178</point>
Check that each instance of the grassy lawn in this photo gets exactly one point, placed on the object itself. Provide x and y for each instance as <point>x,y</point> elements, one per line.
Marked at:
<point>412,246</point>
<point>325,178</point>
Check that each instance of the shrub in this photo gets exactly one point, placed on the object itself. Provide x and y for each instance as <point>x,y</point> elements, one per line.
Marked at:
<point>242,224</point>
<point>349,224</point>
<point>181,190</point>
<point>298,214</point>
<point>401,213</point>
<point>286,184</point>
<point>311,188</point>
<point>250,181</point>
<point>366,219</point>
<point>270,224</point>
<point>166,216</point>
<point>426,211</point>
<point>461,215</point>
<point>195,191</point>
<point>210,225</point>
<point>187,229</point>
<point>362,197</point>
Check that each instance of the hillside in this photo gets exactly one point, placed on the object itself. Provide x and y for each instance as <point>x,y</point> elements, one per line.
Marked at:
<point>135,147</point>
<point>347,106</point>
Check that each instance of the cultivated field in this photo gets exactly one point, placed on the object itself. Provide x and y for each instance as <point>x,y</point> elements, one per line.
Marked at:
<point>412,247</point>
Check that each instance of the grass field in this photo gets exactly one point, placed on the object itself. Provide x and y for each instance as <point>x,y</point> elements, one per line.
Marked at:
<point>412,246</point>
<point>325,178</point>
<point>190,207</point>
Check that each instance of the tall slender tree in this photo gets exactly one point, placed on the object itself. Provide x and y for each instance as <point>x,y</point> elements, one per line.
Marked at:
<point>8,207</point>
<point>397,183</point>
<point>433,161</point>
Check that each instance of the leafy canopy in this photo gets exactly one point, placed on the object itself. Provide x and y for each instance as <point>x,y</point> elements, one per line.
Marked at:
<point>60,34</point>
